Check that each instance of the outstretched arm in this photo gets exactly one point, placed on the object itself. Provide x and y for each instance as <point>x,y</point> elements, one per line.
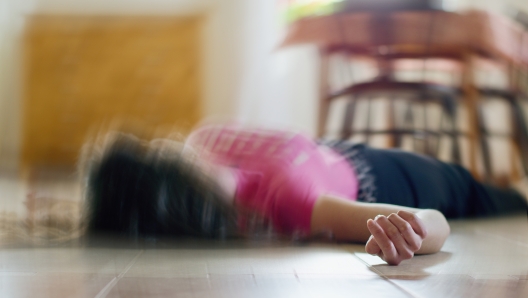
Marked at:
<point>395,233</point>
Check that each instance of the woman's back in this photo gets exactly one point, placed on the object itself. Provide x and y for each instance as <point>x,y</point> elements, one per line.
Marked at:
<point>279,174</point>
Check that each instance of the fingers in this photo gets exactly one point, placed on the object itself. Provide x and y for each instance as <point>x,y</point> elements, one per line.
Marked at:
<point>412,239</point>
<point>372,246</point>
<point>395,238</point>
<point>415,222</point>
<point>390,255</point>
<point>403,249</point>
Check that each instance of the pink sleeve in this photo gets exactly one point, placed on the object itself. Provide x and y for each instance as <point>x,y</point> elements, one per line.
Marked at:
<point>292,210</point>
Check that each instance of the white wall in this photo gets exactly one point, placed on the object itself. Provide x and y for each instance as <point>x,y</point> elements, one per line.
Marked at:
<point>222,63</point>
<point>279,87</point>
<point>10,29</point>
<point>499,6</point>
<point>177,7</point>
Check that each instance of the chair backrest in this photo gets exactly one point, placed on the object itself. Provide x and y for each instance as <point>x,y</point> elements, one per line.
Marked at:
<point>414,121</point>
<point>391,5</point>
<point>504,138</point>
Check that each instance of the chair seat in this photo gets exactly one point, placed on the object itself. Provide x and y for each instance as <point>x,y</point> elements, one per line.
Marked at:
<point>383,85</point>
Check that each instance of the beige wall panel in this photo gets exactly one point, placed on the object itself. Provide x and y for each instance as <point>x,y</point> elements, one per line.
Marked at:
<point>83,71</point>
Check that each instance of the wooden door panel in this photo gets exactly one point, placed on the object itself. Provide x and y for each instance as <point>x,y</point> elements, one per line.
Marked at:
<point>82,71</point>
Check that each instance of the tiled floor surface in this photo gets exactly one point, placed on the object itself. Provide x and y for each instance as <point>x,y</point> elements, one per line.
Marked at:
<point>482,258</point>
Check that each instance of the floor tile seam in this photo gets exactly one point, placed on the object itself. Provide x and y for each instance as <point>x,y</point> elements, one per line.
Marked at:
<point>380,274</point>
<point>508,276</point>
<point>502,238</point>
<point>104,291</point>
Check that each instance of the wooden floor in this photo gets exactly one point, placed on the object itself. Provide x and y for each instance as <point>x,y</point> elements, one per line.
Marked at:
<point>482,258</point>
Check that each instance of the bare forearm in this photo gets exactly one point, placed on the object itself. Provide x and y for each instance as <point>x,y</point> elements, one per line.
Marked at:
<point>437,231</point>
<point>348,221</point>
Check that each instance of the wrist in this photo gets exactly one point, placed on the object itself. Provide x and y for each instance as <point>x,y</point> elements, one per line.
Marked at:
<point>437,231</point>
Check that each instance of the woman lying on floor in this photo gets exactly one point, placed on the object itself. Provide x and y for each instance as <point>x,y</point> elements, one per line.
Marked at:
<point>229,181</point>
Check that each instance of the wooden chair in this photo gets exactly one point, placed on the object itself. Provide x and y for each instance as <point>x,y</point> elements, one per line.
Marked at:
<point>385,51</point>
<point>513,134</point>
<point>422,117</point>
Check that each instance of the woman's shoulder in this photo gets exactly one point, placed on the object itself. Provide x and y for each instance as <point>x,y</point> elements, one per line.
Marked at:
<point>212,132</point>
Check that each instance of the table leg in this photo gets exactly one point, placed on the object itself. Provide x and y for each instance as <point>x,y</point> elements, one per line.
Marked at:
<point>324,94</point>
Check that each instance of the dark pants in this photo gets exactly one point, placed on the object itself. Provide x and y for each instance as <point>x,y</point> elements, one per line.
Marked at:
<point>413,180</point>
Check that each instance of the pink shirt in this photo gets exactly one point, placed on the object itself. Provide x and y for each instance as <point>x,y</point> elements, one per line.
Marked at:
<point>279,174</point>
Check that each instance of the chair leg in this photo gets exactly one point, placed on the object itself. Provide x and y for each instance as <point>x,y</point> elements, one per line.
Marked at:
<point>399,125</point>
<point>346,131</point>
<point>368,124</point>
<point>324,109</point>
<point>392,125</point>
<point>455,149</point>
<point>521,134</point>
<point>438,137</point>
<point>426,136</point>
<point>449,103</point>
<point>484,145</point>
<point>324,100</point>
<point>471,99</point>
<point>409,123</point>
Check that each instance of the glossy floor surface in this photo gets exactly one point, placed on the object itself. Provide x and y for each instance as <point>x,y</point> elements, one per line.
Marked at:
<point>485,258</point>
<point>481,258</point>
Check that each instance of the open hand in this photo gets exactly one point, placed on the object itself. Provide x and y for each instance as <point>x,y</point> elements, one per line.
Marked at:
<point>395,237</point>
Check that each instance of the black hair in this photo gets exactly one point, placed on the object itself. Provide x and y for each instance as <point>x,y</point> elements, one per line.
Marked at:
<point>137,191</point>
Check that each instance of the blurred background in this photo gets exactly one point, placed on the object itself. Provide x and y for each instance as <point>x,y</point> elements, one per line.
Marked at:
<point>445,78</point>
<point>68,65</point>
